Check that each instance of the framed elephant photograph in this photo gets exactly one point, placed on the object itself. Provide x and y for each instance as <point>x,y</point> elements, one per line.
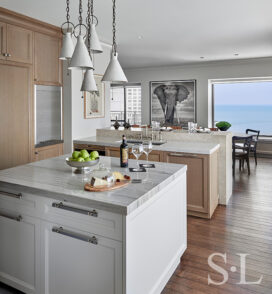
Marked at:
<point>173,103</point>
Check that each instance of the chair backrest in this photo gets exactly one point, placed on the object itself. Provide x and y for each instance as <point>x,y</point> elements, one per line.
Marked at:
<point>255,133</point>
<point>246,141</point>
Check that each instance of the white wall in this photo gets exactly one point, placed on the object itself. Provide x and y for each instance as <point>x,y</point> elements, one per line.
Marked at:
<point>75,126</point>
<point>202,73</point>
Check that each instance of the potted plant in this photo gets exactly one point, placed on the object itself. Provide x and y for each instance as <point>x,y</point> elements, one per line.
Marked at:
<point>223,125</point>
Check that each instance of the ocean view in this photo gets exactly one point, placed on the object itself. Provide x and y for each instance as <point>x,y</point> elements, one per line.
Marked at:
<point>242,117</point>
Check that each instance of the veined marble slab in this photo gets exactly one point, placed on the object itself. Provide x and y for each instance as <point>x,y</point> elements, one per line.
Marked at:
<point>53,178</point>
<point>171,146</point>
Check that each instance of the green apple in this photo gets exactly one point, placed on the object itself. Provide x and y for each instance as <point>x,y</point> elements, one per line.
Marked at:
<point>76,154</point>
<point>84,153</point>
<point>80,159</point>
<point>88,159</point>
<point>94,154</point>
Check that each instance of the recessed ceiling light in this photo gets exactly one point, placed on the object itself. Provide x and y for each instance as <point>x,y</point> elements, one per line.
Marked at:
<point>140,37</point>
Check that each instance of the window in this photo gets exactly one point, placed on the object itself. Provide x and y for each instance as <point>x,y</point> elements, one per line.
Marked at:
<point>126,103</point>
<point>245,104</point>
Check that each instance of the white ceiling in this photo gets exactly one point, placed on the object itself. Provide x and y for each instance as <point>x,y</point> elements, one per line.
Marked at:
<point>173,32</point>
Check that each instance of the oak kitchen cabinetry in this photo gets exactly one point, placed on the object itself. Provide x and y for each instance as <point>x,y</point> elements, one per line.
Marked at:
<point>47,63</point>
<point>15,43</point>
<point>21,63</point>
<point>45,152</point>
<point>202,181</point>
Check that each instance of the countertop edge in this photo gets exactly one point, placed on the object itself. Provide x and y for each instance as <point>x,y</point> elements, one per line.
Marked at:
<point>114,208</point>
<point>100,141</point>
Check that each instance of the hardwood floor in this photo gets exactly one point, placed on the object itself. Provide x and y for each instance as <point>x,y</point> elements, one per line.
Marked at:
<point>244,226</point>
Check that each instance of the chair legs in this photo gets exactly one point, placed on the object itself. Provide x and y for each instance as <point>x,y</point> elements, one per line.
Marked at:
<point>255,155</point>
<point>248,166</point>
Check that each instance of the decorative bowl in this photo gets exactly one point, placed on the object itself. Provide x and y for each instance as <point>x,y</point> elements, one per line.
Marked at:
<point>82,167</point>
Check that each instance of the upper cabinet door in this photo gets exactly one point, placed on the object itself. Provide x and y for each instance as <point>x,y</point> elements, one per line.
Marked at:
<point>3,40</point>
<point>19,44</point>
<point>47,63</point>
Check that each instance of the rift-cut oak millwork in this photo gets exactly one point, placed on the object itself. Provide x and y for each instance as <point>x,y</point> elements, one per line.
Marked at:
<point>15,95</point>
<point>244,226</point>
<point>47,152</point>
<point>18,52</point>
<point>19,44</point>
<point>202,181</point>
<point>47,63</point>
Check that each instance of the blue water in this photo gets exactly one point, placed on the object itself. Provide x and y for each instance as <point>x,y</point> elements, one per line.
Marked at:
<point>242,117</point>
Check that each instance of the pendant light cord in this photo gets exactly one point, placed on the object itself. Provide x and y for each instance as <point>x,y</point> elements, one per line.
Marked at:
<point>114,45</point>
<point>80,16</point>
<point>68,12</point>
<point>88,20</point>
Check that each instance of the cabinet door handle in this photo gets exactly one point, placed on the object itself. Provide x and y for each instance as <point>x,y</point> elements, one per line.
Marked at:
<point>14,195</point>
<point>16,218</point>
<point>74,235</point>
<point>60,205</point>
<point>183,155</point>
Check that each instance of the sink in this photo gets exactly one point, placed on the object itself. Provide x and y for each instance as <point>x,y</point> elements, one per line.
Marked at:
<point>135,141</point>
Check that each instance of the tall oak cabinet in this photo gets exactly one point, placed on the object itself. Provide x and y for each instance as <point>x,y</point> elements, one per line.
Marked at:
<point>29,51</point>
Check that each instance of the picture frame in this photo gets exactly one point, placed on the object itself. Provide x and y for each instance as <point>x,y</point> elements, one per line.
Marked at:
<point>173,102</point>
<point>94,103</point>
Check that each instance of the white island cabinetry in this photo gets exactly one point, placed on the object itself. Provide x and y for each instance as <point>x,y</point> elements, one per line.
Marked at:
<point>78,242</point>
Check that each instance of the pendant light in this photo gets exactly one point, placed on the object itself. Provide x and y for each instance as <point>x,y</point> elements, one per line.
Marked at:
<point>67,42</point>
<point>95,44</point>
<point>89,83</point>
<point>114,72</point>
<point>81,58</point>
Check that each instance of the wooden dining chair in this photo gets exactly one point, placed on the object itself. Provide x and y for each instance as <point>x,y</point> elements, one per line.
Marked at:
<point>253,147</point>
<point>241,153</point>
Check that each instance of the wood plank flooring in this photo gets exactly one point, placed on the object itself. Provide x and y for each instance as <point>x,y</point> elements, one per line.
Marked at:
<point>244,226</point>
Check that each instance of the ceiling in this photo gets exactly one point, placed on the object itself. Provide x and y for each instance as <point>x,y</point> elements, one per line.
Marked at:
<point>171,32</point>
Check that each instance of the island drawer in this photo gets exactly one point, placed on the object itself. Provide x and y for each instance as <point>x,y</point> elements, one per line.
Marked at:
<point>17,201</point>
<point>90,219</point>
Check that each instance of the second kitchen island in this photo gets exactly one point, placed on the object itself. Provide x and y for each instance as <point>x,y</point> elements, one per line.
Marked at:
<point>57,238</point>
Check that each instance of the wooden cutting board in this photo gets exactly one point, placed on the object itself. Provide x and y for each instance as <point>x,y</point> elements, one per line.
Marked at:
<point>117,185</point>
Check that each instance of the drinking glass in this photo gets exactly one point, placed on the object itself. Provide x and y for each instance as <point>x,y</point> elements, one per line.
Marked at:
<point>137,151</point>
<point>147,148</point>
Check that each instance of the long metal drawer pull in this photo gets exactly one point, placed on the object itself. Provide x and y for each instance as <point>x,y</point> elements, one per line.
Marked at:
<point>74,235</point>
<point>182,155</point>
<point>60,205</point>
<point>16,218</point>
<point>14,195</point>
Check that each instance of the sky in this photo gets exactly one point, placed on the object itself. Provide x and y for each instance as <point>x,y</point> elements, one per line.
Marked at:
<point>257,93</point>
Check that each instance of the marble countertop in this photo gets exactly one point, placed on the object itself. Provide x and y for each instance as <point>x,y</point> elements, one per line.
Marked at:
<point>171,146</point>
<point>53,178</point>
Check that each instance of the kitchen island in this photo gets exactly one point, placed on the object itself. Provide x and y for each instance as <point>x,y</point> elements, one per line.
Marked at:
<point>57,238</point>
<point>201,158</point>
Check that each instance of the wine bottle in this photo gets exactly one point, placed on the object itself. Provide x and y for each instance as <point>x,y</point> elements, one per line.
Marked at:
<point>124,152</point>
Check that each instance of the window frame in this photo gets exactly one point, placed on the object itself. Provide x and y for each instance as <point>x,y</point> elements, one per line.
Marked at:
<point>125,87</point>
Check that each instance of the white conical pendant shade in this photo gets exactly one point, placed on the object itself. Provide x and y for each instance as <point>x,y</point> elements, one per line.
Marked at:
<point>114,72</point>
<point>89,83</point>
<point>68,47</point>
<point>95,43</point>
<point>81,58</point>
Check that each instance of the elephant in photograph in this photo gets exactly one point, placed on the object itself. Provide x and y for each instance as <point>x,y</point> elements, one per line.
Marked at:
<point>168,96</point>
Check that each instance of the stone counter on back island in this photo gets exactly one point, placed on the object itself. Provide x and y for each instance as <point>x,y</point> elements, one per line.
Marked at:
<point>57,238</point>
